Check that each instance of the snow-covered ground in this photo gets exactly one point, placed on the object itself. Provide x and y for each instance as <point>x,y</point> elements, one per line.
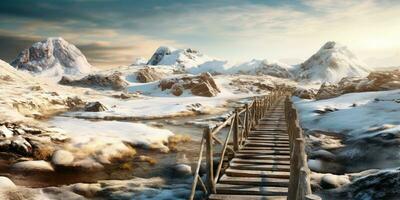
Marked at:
<point>356,115</point>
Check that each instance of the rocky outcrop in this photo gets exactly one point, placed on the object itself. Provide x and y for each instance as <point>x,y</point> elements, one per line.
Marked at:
<point>62,158</point>
<point>95,107</point>
<point>32,166</point>
<point>202,85</point>
<point>305,93</point>
<point>159,55</point>
<point>52,54</point>
<point>375,81</point>
<point>148,74</point>
<point>113,81</point>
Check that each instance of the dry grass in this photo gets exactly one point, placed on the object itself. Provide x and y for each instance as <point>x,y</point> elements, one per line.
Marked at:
<point>174,140</point>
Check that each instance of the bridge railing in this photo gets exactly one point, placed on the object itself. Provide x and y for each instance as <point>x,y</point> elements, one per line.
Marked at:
<point>299,183</point>
<point>240,123</point>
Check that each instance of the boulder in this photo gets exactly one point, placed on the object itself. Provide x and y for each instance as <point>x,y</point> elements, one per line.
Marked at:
<point>17,145</point>
<point>182,170</point>
<point>202,85</point>
<point>33,166</point>
<point>6,183</point>
<point>113,81</point>
<point>322,154</point>
<point>330,181</point>
<point>177,89</point>
<point>305,93</point>
<point>62,158</point>
<point>327,91</point>
<point>148,74</point>
<point>95,107</point>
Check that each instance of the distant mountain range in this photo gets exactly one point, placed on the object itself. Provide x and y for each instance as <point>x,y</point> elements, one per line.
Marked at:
<point>56,57</point>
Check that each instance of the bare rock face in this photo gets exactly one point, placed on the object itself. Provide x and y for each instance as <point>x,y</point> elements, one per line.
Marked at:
<point>52,54</point>
<point>159,55</point>
<point>305,93</point>
<point>202,85</point>
<point>95,107</point>
<point>375,81</point>
<point>113,81</point>
<point>327,91</point>
<point>148,74</point>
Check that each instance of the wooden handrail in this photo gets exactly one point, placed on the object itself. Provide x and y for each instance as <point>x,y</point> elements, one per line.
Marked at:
<point>299,183</point>
<point>241,122</point>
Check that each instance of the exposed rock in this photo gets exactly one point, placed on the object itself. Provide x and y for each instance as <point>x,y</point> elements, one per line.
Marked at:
<point>113,81</point>
<point>159,55</point>
<point>202,85</point>
<point>182,170</point>
<point>55,54</point>
<point>330,181</point>
<point>86,189</point>
<point>95,107</point>
<point>16,145</point>
<point>322,166</point>
<point>322,154</point>
<point>327,91</point>
<point>33,166</point>
<point>305,93</point>
<point>6,183</point>
<point>148,74</point>
<point>375,81</point>
<point>74,102</point>
<point>177,89</point>
<point>5,132</point>
<point>62,158</point>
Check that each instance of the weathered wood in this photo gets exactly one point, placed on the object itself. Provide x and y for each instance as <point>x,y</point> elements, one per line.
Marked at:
<point>236,131</point>
<point>255,181</point>
<point>244,197</point>
<point>261,161</point>
<point>257,173</point>
<point>210,161</point>
<point>196,173</point>
<point>251,190</point>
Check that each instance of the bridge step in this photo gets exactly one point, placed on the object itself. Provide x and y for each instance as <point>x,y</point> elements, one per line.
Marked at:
<point>255,156</point>
<point>266,148</point>
<point>265,144</point>
<point>264,152</point>
<point>246,197</point>
<point>251,190</point>
<point>285,168</point>
<point>260,161</point>
<point>256,173</point>
<point>256,181</point>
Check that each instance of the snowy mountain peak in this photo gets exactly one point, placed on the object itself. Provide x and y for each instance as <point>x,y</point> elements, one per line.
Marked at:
<point>52,57</point>
<point>183,58</point>
<point>331,63</point>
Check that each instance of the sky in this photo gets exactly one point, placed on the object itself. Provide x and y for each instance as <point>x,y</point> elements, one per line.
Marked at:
<point>116,32</point>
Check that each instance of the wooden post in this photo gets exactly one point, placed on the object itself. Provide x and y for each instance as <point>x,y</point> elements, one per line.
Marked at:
<point>236,131</point>
<point>304,187</point>
<point>294,171</point>
<point>210,161</point>
<point>247,121</point>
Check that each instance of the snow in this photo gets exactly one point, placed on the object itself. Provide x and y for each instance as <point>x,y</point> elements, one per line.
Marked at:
<point>265,67</point>
<point>52,57</point>
<point>82,131</point>
<point>358,115</point>
<point>331,63</point>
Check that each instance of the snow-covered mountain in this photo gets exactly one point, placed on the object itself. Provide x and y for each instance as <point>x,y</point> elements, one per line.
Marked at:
<point>189,60</point>
<point>52,57</point>
<point>330,64</point>
<point>262,67</point>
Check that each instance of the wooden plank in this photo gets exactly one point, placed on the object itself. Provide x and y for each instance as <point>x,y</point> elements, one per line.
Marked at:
<point>267,167</point>
<point>255,156</point>
<point>266,148</point>
<point>256,173</point>
<point>260,161</point>
<point>244,197</point>
<point>264,152</point>
<point>272,138</point>
<point>256,181</point>
<point>265,144</point>
<point>267,141</point>
<point>251,190</point>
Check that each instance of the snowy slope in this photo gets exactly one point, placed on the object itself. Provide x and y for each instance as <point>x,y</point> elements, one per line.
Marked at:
<point>331,63</point>
<point>262,67</point>
<point>52,57</point>
<point>189,60</point>
<point>355,114</point>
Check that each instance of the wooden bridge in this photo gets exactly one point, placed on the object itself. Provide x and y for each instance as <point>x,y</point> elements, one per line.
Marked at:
<point>257,153</point>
